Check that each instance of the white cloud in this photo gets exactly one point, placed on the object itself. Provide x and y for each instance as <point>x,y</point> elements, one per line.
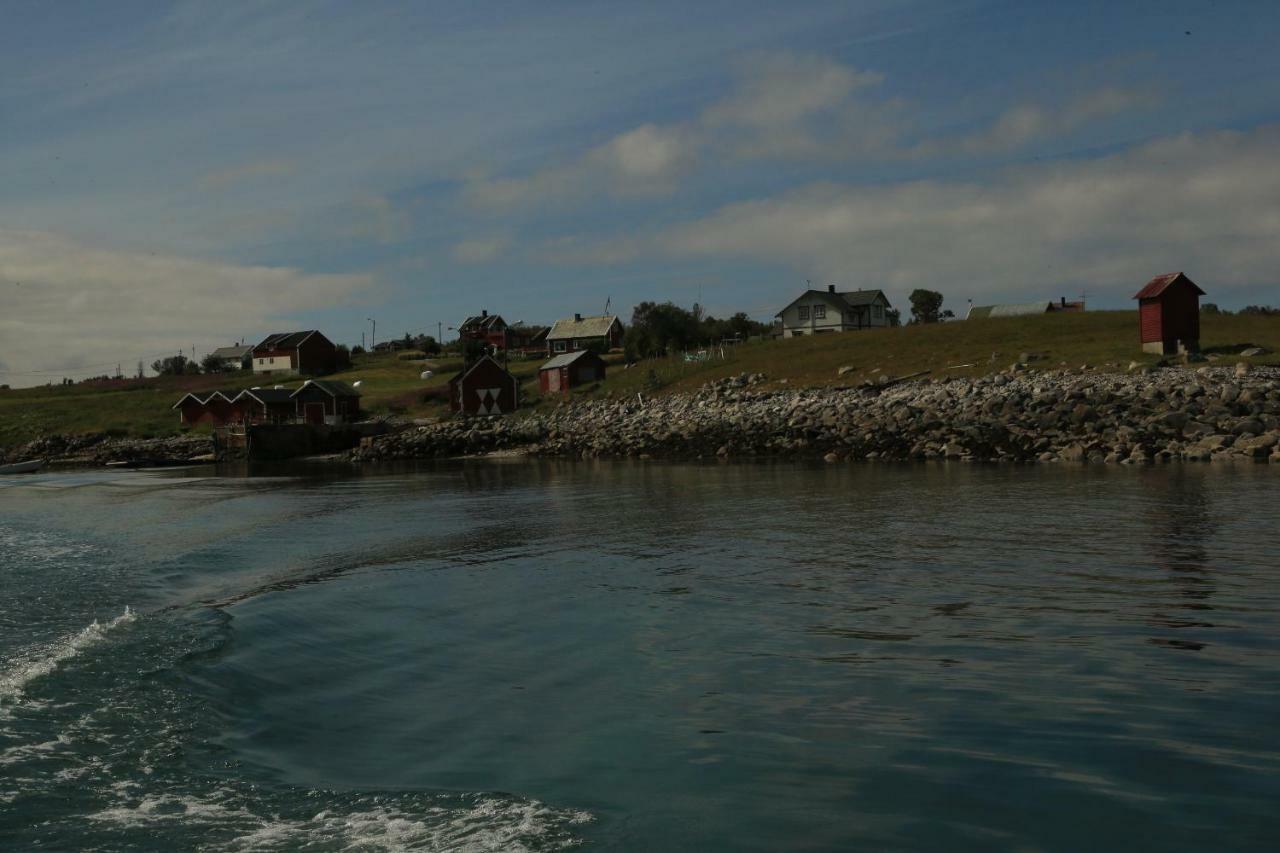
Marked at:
<point>83,308</point>
<point>1208,204</point>
<point>783,89</point>
<point>481,250</point>
<point>248,172</point>
<point>789,107</point>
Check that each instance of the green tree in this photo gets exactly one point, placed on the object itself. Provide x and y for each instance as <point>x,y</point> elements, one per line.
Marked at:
<point>213,364</point>
<point>174,365</point>
<point>926,305</point>
<point>894,316</point>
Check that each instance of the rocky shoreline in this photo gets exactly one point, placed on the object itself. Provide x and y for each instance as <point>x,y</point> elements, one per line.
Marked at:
<point>99,449</point>
<point>1212,413</point>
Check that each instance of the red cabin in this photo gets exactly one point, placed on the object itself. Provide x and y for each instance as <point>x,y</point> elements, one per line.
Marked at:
<point>1169,314</point>
<point>216,408</point>
<point>484,388</point>
<point>570,370</point>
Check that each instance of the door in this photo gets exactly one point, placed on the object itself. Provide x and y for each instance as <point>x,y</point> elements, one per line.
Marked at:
<point>553,380</point>
<point>313,413</point>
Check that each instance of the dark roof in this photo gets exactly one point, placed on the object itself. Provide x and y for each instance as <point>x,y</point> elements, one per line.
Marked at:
<point>487,322</point>
<point>184,397</point>
<point>284,340</point>
<point>862,297</point>
<point>1161,283</point>
<point>332,387</point>
<point>851,298</point>
<point>568,358</point>
<point>232,352</point>
<point>267,396</point>
<point>461,374</point>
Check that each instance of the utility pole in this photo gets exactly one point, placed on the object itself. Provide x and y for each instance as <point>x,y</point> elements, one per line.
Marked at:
<point>439,332</point>
<point>373,333</point>
<point>362,346</point>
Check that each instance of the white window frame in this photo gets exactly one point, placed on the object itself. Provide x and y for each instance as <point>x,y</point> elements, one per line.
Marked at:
<point>819,312</point>
<point>558,346</point>
<point>803,313</point>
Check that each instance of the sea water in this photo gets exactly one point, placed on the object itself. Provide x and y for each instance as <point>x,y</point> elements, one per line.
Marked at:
<point>536,656</point>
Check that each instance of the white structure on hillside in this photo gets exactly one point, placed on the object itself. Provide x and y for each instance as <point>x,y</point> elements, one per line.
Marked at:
<point>816,312</point>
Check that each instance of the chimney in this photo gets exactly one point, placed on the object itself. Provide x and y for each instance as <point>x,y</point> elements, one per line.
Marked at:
<point>483,313</point>
<point>831,288</point>
<point>577,318</point>
<point>1064,301</point>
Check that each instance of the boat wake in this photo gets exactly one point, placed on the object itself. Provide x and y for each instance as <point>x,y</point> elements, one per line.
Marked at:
<point>40,662</point>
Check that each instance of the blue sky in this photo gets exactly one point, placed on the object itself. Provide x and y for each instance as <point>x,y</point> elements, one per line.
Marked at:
<point>183,175</point>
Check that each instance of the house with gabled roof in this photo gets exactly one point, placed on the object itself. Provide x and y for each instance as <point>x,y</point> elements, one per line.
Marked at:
<point>266,406</point>
<point>488,328</point>
<point>1169,314</point>
<point>326,401</point>
<point>817,312</point>
<point>233,357</point>
<point>484,387</point>
<point>578,332</point>
<point>287,353</point>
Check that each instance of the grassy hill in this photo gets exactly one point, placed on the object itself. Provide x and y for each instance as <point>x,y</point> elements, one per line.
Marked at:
<point>1106,340</point>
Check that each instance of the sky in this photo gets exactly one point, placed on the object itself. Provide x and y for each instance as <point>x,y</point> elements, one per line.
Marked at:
<point>181,176</point>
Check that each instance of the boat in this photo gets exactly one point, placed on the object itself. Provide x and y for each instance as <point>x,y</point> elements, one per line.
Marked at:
<point>22,467</point>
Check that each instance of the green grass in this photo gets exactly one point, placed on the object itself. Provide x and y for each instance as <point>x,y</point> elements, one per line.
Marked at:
<point>1107,340</point>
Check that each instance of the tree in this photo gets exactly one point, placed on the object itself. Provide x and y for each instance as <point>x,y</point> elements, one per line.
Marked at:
<point>925,305</point>
<point>214,364</point>
<point>341,357</point>
<point>1210,308</point>
<point>894,316</point>
<point>658,328</point>
<point>174,365</point>
<point>357,350</point>
<point>429,345</point>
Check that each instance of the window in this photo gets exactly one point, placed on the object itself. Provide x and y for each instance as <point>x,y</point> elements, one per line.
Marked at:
<point>559,346</point>
<point>262,361</point>
<point>876,311</point>
<point>819,312</point>
<point>804,313</point>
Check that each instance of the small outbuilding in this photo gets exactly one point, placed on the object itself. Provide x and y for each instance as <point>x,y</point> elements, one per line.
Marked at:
<point>1169,314</point>
<point>215,408</point>
<point>570,370</point>
<point>327,401</point>
<point>484,388</point>
<point>266,406</point>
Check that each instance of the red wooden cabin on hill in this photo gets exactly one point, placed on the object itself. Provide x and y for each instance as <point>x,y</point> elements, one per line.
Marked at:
<point>484,388</point>
<point>1169,314</point>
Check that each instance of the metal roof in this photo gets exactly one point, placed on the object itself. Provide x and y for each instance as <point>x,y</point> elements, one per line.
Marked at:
<point>232,352</point>
<point>482,321</point>
<point>1021,309</point>
<point>1160,284</point>
<point>332,387</point>
<point>566,359</point>
<point>587,327</point>
<point>266,396</point>
<point>862,297</point>
<point>284,340</point>
<point>850,298</point>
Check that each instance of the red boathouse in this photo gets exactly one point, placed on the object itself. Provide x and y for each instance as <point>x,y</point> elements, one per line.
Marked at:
<point>1169,314</point>
<point>484,388</point>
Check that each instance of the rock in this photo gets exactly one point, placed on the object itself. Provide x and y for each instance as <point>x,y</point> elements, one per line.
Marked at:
<point>842,371</point>
<point>1242,369</point>
<point>831,457</point>
<point>1072,453</point>
<point>1254,352</point>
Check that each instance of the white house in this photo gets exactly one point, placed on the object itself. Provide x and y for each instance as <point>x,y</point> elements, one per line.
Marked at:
<point>817,312</point>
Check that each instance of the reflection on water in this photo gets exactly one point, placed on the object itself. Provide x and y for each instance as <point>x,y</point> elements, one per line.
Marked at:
<point>523,655</point>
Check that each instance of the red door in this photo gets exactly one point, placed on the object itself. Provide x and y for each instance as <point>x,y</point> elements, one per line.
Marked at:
<point>313,413</point>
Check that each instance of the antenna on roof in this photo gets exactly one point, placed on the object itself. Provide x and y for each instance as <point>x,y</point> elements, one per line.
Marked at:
<point>606,304</point>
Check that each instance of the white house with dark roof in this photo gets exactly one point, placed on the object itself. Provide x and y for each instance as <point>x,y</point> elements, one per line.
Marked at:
<point>817,312</point>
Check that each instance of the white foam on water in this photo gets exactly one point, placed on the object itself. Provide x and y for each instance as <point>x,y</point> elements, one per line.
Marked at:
<point>391,823</point>
<point>40,662</point>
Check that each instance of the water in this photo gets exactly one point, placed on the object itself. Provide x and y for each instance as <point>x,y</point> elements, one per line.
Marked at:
<point>535,656</point>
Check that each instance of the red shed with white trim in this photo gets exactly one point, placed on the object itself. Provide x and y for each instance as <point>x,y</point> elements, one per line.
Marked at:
<point>1169,314</point>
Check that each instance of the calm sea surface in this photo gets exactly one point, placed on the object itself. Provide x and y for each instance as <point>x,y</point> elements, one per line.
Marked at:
<point>508,656</point>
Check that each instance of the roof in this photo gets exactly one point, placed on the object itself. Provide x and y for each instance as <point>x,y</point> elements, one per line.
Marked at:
<point>1019,309</point>
<point>587,327</point>
<point>487,322</point>
<point>862,297</point>
<point>332,387</point>
<point>1161,283</point>
<point>462,374</point>
<point>284,340</point>
<point>201,400</point>
<point>232,352</point>
<point>850,298</point>
<point>267,396</point>
<point>566,359</point>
